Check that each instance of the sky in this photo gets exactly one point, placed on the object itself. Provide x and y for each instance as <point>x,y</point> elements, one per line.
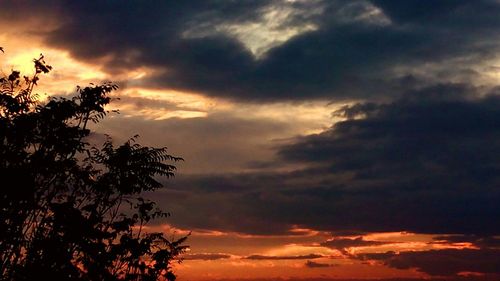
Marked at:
<point>323,139</point>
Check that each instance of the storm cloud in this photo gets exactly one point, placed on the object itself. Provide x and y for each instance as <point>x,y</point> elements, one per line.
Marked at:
<point>427,164</point>
<point>318,49</point>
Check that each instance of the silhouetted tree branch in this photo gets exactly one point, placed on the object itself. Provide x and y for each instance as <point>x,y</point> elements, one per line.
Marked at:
<point>68,210</point>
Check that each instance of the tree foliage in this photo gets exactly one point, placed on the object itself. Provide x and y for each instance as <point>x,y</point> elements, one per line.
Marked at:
<point>69,210</point>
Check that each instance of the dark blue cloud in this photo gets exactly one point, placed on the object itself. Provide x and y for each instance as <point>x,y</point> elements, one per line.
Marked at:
<point>420,11</point>
<point>347,56</point>
<point>427,163</point>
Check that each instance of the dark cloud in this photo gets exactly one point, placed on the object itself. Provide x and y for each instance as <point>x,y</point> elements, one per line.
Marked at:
<point>301,257</point>
<point>342,244</point>
<point>421,11</point>
<point>312,264</point>
<point>348,55</point>
<point>206,256</point>
<point>425,158</point>
<point>449,13</point>
<point>425,164</point>
<point>94,29</point>
<point>443,262</point>
<point>478,241</point>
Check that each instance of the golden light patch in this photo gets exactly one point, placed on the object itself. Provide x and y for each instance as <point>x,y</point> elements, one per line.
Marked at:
<point>66,74</point>
<point>161,104</point>
<point>398,236</point>
<point>185,99</point>
<point>404,241</point>
<point>299,249</point>
<point>307,117</point>
<point>492,72</point>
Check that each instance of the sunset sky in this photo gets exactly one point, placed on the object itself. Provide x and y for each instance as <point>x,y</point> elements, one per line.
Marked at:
<point>323,139</point>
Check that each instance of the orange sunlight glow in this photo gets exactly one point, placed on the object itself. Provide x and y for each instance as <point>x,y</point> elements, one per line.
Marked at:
<point>67,72</point>
<point>162,104</point>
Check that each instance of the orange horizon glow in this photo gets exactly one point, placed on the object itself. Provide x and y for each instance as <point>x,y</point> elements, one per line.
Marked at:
<point>239,255</point>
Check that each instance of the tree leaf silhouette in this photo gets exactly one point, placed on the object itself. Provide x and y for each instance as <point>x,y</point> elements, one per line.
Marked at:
<point>68,210</point>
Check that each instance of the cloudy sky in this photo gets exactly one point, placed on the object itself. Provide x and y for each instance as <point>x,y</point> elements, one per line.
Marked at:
<point>323,139</point>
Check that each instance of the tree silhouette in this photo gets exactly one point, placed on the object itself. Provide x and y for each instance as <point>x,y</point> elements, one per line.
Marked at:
<point>69,210</point>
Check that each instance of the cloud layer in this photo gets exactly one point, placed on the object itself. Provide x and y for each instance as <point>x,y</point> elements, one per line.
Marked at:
<point>443,262</point>
<point>427,164</point>
<point>317,49</point>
